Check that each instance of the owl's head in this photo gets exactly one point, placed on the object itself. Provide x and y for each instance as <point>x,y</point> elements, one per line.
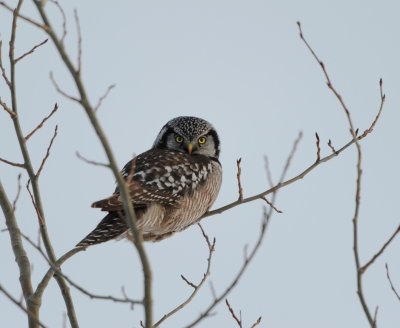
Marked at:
<point>190,135</point>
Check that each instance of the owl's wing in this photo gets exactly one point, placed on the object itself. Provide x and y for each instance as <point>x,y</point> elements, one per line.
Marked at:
<point>141,196</point>
<point>158,176</point>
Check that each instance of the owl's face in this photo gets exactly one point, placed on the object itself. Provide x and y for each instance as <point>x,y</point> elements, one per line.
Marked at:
<point>190,135</point>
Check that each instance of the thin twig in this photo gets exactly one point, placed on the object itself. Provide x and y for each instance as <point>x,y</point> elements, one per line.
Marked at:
<point>18,193</point>
<point>49,274</point>
<point>239,172</point>
<point>318,147</point>
<point>41,123</point>
<point>280,184</point>
<point>331,147</point>
<point>47,152</point>
<point>3,70</point>
<point>379,253</point>
<point>104,96</point>
<point>188,282</point>
<point>248,259</point>
<point>21,306</point>
<point>285,183</point>
<point>212,289</point>
<point>391,283</point>
<point>40,218</point>
<point>34,306</point>
<point>57,271</point>
<point>78,29</point>
<point>268,171</point>
<point>123,291</point>
<point>272,205</point>
<point>123,189</point>
<point>26,19</point>
<point>30,51</point>
<point>238,321</point>
<point>90,161</point>
<point>11,163</point>
<point>375,316</point>
<point>196,288</point>
<point>21,257</point>
<point>354,134</point>
<point>66,95</point>
<point>256,323</point>
<point>290,157</point>
<point>382,102</point>
<point>64,20</point>
<point>7,109</point>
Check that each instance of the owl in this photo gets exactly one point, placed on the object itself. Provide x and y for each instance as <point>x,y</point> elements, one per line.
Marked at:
<point>171,185</point>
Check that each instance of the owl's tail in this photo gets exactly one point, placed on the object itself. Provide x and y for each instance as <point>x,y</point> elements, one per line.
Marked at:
<point>112,226</point>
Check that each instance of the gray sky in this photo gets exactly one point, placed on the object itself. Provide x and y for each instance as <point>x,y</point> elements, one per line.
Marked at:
<point>242,66</point>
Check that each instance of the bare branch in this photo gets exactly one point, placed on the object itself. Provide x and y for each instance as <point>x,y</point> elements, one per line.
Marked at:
<point>188,282</point>
<point>29,20</point>
<point>268,170</point>
<point>212,289</point>
<point>354,133</point>
<point>382,102</point>
<point>18,193</point>
<point>375,316</point>
<point>318,147</point>
<point>91,162</point>
<point>78,28</point>
<point>16,242</point>
<point>7,109</point>
<point>21,306</point>
<point>331,147</point>
<point>280,184</point>
<point>379,253</point>
<point>56,270</point>
<point>40,218</point>
<point>256,323</point>
<point>247,260</point>
<point>46,279</point>
<point>206,313</point>
<point>41,123</point>
<point>64,20</point>
<point>21,258</point>
<point>3,70</point>
<point>30,51</point>
<point>390,282</point>
<point>66,95</point>
<point>47,152</point>
<point>12,163</point>
<point>101,99</point>
<point>272,205</point>
<point>239,172</point>
<point>125,196</point>
<point>238,321</point>
<point>211,247</point>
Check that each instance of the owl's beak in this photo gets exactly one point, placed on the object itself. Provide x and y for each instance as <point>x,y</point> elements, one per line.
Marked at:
<point>190,148</point>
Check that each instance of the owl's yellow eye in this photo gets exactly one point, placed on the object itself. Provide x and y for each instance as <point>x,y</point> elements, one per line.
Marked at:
<point>178,139</point>
<point>202,140</point>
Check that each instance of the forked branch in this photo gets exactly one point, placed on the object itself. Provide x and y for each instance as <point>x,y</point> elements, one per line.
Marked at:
<point>354,133</point>
<point>196,288</point>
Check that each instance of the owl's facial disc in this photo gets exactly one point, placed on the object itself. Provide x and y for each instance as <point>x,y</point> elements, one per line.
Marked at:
<point>190,135</point>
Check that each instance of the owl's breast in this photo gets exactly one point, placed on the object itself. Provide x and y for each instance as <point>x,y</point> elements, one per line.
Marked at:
<point>196,201</point>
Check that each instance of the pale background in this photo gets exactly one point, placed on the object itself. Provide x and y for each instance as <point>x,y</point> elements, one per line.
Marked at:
<point>242,66</point>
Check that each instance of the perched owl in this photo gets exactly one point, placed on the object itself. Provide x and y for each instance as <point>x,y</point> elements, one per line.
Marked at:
<point>171,185</point>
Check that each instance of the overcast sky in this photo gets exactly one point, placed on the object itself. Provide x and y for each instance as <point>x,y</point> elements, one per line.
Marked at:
<point>241,66</point>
